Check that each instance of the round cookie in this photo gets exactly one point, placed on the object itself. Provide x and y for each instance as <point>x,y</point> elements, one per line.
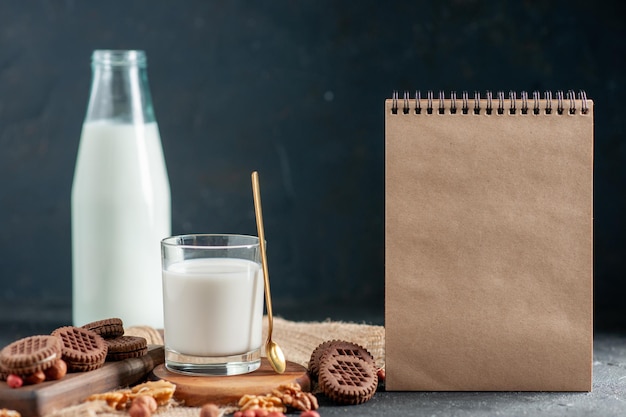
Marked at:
<point>337,347</point>
<point>83,349</point>
<point>347,379</point>
<point>108,328</point>
<point>30,354</point>
<point>314,362</point>
<point>125,347</point>
<point>3,373</point>
<point>341,347</point>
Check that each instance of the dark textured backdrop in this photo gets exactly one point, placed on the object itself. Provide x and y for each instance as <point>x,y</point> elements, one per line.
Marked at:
<point>294,89</point>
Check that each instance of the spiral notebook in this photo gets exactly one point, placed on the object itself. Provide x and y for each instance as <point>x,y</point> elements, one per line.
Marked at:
<point>488,242</point>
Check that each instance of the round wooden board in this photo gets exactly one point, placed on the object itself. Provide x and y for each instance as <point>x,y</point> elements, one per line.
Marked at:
<point>196,391</point>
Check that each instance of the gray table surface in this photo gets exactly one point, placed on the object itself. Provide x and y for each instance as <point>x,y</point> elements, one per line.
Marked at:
<point>607,399</point>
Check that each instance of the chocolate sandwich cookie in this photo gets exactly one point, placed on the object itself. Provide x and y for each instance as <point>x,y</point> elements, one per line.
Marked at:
<point>125,347</point>
<point>4,372</point>
<point>30,354</point>
<point>314,362</point>
<point>337,347</point>
<point>347,379</point>
<point>108,328</point>
<point>83,350</point>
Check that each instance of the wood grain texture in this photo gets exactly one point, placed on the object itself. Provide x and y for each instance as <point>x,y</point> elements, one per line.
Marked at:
<point>37,400</point>
<point>225,390</point>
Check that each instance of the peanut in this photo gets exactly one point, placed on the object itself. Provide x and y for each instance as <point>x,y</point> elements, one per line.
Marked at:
<point>139,410</point>
<point>209,410</point>
<point>15,381</point>
<point>309,413</point>
<point>147,401</point>
<point>35,378</point>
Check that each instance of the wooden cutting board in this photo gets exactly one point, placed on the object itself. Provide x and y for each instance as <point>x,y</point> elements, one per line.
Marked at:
<point>37,400</point>
<point>195,391</point>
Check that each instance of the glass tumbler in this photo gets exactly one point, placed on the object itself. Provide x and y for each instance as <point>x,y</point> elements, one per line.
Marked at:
<point>212,303</point>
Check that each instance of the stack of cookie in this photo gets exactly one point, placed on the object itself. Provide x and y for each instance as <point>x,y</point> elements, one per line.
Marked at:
<point>38,358</point>
<point>119,347</point>
<point>346,372</point>
<point>88,347</point>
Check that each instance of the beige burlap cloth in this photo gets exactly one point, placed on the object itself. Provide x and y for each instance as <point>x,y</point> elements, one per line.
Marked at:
<point>297,340</point>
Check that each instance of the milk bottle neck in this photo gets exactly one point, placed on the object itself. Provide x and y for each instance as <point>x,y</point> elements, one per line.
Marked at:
<point>119,88</point>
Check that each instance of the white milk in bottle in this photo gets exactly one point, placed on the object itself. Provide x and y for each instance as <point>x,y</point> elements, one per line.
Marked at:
<point>120,198</point>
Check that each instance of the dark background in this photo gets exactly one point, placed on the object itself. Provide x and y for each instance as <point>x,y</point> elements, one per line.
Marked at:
<point>295,90</point>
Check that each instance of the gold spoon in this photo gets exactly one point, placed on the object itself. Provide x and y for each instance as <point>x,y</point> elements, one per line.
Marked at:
<point>272,350</point>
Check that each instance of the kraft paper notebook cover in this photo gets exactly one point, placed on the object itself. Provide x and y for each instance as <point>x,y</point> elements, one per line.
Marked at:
<point>488,242</point>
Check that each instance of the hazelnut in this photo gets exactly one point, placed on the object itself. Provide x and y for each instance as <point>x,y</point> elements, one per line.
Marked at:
<point>309,413</point>
<point>146,400</point>
<point>210,410</point>
<point>15,381</point>
<point>35,378</point>
<point>139,410</point>
<point>56,371</point>
<point>381,374</point>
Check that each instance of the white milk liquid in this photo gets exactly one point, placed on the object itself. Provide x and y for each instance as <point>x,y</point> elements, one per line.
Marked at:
<point>213,307</point>
<point>120,213</point>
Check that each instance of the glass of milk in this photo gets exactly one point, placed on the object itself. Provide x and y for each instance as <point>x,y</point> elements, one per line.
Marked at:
<point>212,303</point>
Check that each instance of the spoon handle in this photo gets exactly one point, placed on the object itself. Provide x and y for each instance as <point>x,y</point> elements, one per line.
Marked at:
<point>256,192</point>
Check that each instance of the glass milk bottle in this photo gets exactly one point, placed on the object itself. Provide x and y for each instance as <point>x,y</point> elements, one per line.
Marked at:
<point>120,198</point>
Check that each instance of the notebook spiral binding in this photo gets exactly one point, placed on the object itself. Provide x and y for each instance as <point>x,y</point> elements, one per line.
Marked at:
<point>564,103</point>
